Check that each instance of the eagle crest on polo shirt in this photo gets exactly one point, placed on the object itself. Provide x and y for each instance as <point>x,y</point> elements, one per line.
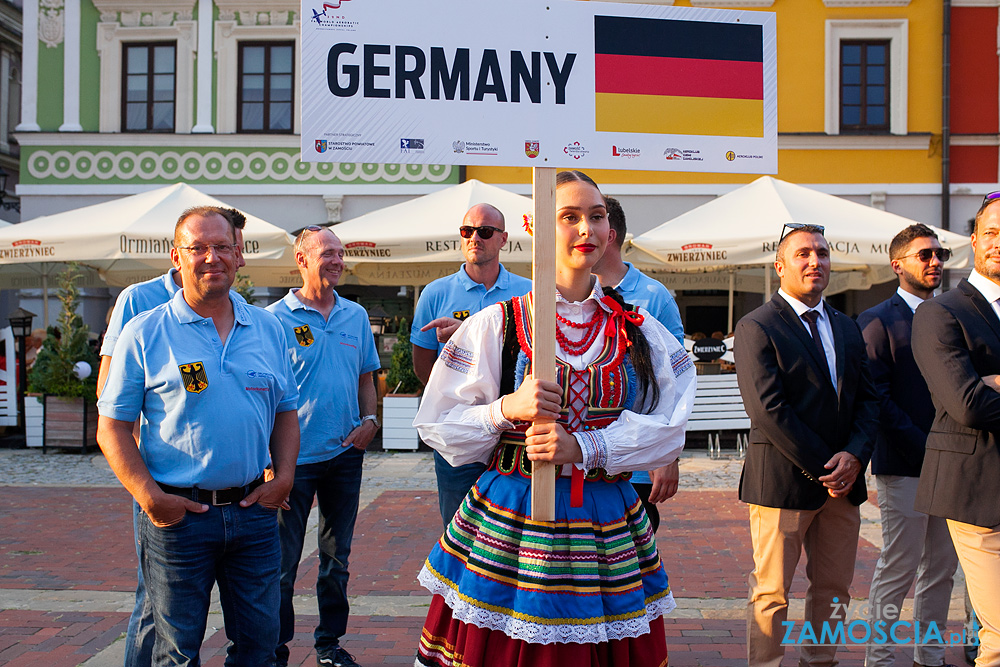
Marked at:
<point>194,377</point>
<point>304,335</point>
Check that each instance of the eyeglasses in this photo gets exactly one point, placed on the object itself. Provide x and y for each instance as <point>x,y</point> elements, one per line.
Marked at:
<point>943,254</point>
<point>311,228</point>
<point>485,232</point>
<point>796,226</point>
<point>202,250</point>
<point>990,196</point>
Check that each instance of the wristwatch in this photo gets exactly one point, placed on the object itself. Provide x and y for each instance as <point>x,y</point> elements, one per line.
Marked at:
<point>372,418</point>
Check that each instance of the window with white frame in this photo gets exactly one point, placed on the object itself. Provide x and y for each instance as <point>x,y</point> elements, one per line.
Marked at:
<point>112,44</point>
<point>268,28</point>
<point>265,87</point>
<point>866,77</point>
<point>864,86</point>
<point>149,87</point>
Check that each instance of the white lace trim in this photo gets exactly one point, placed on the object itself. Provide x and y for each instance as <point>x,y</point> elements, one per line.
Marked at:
<point>537,633</point>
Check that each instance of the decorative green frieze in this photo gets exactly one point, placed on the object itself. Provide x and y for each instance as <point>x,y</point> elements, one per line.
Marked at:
<point>80,165</point>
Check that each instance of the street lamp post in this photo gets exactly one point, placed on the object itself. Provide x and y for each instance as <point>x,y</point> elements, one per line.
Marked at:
<point>20,326</point>
<point>378,318</point>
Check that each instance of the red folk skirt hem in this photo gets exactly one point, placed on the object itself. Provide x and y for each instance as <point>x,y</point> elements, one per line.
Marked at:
<point>446,642</point>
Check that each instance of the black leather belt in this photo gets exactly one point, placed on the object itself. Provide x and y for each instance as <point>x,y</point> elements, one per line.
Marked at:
<point>219,497</point>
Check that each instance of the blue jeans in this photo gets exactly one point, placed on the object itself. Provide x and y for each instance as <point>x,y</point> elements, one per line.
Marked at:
<point>454,483</point>
<point>232,545</point>
<point>336,485</point>
<point>140,635</point>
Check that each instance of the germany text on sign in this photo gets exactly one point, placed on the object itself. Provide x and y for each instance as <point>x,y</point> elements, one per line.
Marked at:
<point>529,83</point>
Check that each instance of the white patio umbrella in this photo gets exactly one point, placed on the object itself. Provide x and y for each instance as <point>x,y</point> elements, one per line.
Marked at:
<point>417,241</point>
<point>129,239</point>
<point>740,230</point>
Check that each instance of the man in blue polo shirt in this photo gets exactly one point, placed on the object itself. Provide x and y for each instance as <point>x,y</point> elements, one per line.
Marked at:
<point>482,281</point>
<point>135,299</point>
<point>330,343</point>
<point>640,290</point>
<point>209,375</point>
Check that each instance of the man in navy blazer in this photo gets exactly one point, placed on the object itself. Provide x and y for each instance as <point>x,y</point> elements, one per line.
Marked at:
<point>914,545</point>
<point>803,375</point>
<point>956,342</point>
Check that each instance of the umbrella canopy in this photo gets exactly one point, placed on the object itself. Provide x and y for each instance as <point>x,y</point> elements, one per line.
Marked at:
<point>417,241</point>
<point>741,229</point>
<point>129,239</point>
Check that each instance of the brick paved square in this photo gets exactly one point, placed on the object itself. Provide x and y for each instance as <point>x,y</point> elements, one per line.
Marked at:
<point>77,541</point>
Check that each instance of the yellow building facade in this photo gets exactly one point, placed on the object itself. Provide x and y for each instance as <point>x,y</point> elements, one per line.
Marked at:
<point>897,167</point>
<point>811,150</point>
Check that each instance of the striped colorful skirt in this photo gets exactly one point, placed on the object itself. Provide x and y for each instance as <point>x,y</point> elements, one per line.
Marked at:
<point>587,588</point>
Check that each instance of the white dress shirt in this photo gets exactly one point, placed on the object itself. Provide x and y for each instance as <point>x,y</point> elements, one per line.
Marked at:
<point>989,289</point>
<point>911,299</point>
<point>824,326</point>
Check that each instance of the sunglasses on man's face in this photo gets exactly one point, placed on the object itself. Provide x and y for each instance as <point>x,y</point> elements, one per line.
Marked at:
<point>311,228</point>
<point>924,255</point>
<point>485,232</point>
<point>796,226</point>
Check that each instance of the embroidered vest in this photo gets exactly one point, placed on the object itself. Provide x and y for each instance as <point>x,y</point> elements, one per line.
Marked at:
<point>592,398</point>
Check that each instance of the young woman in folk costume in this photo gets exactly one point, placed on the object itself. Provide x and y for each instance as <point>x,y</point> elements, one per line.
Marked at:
<point>588,588</point>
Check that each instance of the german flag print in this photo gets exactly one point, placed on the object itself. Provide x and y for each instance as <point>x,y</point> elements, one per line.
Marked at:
<point>663,76</point>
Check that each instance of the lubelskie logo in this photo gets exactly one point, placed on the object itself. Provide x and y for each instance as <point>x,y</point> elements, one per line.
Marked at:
<point>411,145</point>
<point>321,145</point>
<point>624,151</point>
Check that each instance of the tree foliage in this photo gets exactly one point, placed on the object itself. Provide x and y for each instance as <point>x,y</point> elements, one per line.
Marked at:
<point>64,346</point>
<point>401,378</point>
<point>244,287</point>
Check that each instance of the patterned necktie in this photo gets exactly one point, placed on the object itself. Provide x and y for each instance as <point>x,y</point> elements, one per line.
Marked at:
<point>811,316</point>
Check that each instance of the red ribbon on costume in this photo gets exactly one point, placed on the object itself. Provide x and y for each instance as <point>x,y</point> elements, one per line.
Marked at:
<point>576,488</point>
<point>618,317</point>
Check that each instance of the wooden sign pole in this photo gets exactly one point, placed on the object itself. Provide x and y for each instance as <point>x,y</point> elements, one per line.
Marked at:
<point>543,336</point>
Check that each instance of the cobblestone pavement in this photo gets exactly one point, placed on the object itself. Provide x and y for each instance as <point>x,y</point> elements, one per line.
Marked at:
<point>67,564</point>
<point>29,467</point>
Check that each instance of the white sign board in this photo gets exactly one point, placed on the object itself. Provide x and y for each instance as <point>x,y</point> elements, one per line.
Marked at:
<point>539,84</point>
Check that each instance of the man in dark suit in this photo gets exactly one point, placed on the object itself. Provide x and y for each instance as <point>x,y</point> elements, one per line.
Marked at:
<point>956,342</point>
<point>914,545</point>
<point>804,378</point>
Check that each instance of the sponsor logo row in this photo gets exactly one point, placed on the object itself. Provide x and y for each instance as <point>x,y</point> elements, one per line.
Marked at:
<point>532,149</point>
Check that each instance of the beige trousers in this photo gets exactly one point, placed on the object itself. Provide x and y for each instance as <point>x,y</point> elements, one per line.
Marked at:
<point>829,536</point>
<point>979,552</point>
<point>915,547</point>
